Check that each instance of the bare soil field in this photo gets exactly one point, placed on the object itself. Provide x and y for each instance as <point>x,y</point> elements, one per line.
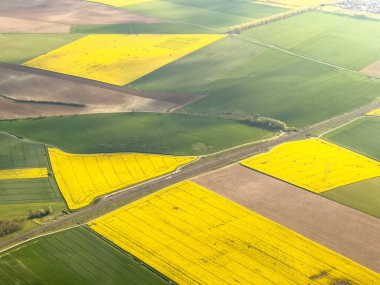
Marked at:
<point>69,12</point>
<point>340,228</point>
<point>372,69</point>
<point>24,86</point>
<point>10,109</point>
<point>17,25</point>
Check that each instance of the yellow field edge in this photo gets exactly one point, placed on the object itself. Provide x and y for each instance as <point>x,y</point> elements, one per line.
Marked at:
<point>314,164</point>
<point>83,177</point>
<point>120,59</point>
<point>23,173</point>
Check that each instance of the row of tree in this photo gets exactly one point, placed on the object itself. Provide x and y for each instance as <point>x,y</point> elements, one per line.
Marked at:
<point>252,120</point>
<point>40,213</point>
<point>269,19</point>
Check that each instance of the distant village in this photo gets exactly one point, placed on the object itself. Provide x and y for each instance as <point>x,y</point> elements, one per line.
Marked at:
<point>371,6</point>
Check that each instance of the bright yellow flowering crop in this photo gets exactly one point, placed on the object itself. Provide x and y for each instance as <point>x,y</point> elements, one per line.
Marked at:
<point>374,113</point>
<point>119,59</point>
<point>315,165</point>
<point>195,236</point>
<point>119,3</point>
<point>81,178</point>
<point>23,173</point>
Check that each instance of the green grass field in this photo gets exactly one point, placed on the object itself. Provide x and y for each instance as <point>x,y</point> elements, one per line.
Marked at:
<point>219,14</point>
<point>16,153</point>
<point>341,40</point>
<point>242,77</point>
<point>139,28</point>
<point>137,132</point>
<point>196,72</point>
<point>363,196</point>
<point>362,135</point>
<point>74,256</point>
<point>29,191</point>
<point>19,48</point>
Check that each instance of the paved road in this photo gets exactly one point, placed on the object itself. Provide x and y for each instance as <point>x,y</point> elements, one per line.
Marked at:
<point>203,165</point>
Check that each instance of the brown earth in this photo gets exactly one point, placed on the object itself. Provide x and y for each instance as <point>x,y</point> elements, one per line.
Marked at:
<point>340,228</point>
<point>27,83</point>
<point>372,69</point>
<point>69,12</point>
<point>16,25</point>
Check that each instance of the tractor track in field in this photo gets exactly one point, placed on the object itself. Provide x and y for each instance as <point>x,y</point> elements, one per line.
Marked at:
<point>205,164</point>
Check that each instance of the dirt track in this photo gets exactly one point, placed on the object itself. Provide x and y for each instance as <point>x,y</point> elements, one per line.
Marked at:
<point>16,25</point>
<point>340,228</point>
<point>69,12</point>
<point>372,69</point>
<point>98,98</point>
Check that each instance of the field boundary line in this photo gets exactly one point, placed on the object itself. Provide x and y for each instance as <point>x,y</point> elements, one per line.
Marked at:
<point>338,127</point>
<point>271,46</point>
<point>2,251</point>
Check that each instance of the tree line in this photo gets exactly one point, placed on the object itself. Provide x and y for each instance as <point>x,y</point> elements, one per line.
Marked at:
<point>269,19</point>
<point>252,120</point>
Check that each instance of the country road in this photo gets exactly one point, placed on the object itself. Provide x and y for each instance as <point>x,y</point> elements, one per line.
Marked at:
<point>205,164</point>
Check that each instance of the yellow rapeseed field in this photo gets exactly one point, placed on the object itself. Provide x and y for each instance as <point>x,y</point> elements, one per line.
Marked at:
<point>119,3</point>
<point>315,165</point>
<point>374,113</point>
<point>195,236</point>
<point>23,173</point>
<point>119,59</point>
<point>81,178</point>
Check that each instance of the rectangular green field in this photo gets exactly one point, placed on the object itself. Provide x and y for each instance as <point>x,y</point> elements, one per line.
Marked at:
<point>75,256</point>
<point>362,135</point>
<point>347,41</point>
<point>241,77</point>
<point>41,190</point>
<point>16,153</point>
<point>19,48</point>
<point>138,132</point>
<point>219,14</point>
<point>363,196</point>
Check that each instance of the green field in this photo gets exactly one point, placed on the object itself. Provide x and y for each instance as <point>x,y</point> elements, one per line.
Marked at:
<point>363,196</point>
<point>341,40</point>
<point>16,153</point>
<point>19,48</point>
<point>219,14</point>
<point>139,28</point>
<point>242,77</point>
<point>74,256</point>
<point>137,132</point>
<point>29,191</point>
<point>196,72</point>
<point>362,135</point>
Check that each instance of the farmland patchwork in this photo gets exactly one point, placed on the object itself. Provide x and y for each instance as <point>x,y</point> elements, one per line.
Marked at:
<point>194,236</point>
<point>81,178</point>
<point>119,59</point>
